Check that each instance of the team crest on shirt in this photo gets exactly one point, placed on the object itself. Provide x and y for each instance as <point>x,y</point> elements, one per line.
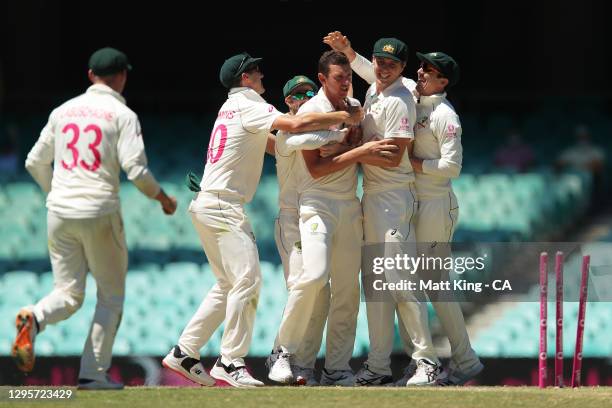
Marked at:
<point>314,226</point>
<point>404,124</point>
<point>389,48</point>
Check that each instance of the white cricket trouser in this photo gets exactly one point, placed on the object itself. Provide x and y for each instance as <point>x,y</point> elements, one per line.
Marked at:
<point>229,244</point>
<point>436,222</point>
<point>332,235</point>
<point>76,246</point>
<point>300,335</point>
<point>390,216</point>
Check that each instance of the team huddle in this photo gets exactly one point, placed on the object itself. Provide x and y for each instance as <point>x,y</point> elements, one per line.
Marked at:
<point>407,140</point>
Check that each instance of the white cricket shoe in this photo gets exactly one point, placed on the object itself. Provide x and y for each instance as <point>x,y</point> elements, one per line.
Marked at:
<point>426,374</point>
<point>271,359</point>
<point>460,377</point>
<point>366,377</point>
<point>304,376</point>
<point>188,367</point>
<point>106,384</point>
<point>342,378</point>
<point>237,377</point>
<point>408,373</point>
<point>281,369</point>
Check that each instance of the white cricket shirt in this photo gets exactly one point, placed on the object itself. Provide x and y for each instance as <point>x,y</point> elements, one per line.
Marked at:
<point>388,114</point>
<point>438,143</point>
<point>287,148</point>
<point>237,144</point>
<point>89,138</point>
<point>341,184</point>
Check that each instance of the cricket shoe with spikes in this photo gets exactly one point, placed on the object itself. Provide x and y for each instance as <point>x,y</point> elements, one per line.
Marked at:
<point>106,384</point>
<point>460,377</point>
<point>427,373</point>
<point>280,371</point>
<point>342,378</point>
<point>366,378</point>
<point>188,367</point>
<point>408,373</point>
<point>23,346</point>
<point>237,377</point>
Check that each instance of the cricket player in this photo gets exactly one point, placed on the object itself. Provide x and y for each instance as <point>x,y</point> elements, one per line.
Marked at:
<point>389,206</point>
<point>297,335</point>
<point>436,159</point>
<point>330,227</point>
<point>233,168</point>
<point>89,139</point>
<point>296,91</point>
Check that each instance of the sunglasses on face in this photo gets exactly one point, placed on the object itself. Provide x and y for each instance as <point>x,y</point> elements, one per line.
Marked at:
<point>302,95</point>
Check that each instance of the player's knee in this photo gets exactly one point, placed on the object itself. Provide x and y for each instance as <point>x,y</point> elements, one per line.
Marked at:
<point>72,300</point>
<point>316,284</point>
<point>251,282</point>
<point>114,302</point>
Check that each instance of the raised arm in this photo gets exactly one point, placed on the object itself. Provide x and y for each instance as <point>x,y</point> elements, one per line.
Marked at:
<point>361,65</point>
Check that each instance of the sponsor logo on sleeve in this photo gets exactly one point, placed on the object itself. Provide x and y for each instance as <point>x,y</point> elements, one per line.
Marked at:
<point>404,124</point>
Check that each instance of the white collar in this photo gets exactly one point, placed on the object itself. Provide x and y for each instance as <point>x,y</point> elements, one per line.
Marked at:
<point>105,89</point>
<point>432,99</point>
<point>247,92</point>
<point>385,92</point>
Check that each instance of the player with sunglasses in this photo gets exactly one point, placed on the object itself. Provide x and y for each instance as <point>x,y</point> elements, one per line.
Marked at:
<point>296,91</point>
<point>389,208</point>
<point>231,175</point>
<point>436,159</point>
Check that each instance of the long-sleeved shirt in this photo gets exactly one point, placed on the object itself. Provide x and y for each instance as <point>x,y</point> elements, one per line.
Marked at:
<point>89,139</point>
<point>437,136</point>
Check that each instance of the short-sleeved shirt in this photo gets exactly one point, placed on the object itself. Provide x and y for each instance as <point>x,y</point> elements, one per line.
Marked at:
<point>237,144</point>
<point>341,184</point>
<point>388,114</point>
<point>90,138</point>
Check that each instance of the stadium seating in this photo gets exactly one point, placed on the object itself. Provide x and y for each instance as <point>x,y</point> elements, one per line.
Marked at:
<point>169,276</point>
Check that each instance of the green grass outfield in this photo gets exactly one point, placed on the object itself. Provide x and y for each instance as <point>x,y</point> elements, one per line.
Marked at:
<point>292,397</point>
